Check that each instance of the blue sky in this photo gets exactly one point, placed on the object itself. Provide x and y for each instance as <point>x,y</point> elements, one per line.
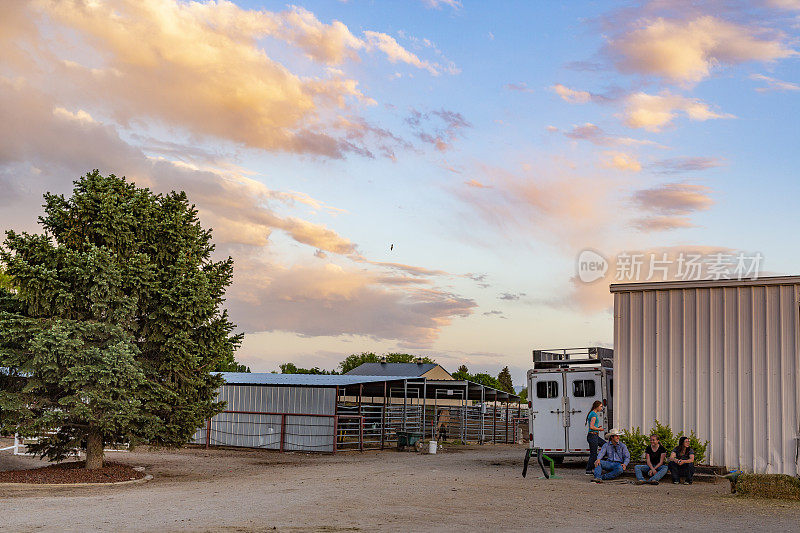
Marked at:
<point>490,143</point>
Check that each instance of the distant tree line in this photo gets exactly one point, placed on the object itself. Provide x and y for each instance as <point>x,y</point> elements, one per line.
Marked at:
<point>502,382</point>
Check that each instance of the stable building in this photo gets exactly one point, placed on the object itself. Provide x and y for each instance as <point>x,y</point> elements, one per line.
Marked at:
<point>411,370</point>
<point>330,413</point>
<point>720,358</point>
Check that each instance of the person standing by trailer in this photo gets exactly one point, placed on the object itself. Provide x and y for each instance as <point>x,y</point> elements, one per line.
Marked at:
<point>593,437</point>
<point>612,459</point>
<point>655,456</point>
<point>681,462</point>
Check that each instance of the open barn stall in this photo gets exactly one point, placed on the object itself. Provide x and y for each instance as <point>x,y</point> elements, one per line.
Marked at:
<point>302,412</point>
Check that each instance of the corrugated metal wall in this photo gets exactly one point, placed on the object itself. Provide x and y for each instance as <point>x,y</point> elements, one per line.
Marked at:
<point>308,433</point>
<point>720,361</point>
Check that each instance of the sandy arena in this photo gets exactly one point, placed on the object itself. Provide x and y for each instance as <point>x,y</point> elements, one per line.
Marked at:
<point>476,488</point>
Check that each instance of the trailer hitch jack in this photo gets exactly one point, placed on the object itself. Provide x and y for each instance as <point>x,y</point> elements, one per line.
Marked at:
<point>540,458</point>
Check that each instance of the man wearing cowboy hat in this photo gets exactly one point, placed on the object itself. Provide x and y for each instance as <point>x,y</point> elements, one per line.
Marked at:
<point>612,459</point>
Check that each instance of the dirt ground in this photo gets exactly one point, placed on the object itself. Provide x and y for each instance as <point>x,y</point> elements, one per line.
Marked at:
<point>478,488</point>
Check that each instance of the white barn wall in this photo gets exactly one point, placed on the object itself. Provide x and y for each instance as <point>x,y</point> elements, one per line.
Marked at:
<point>309,433</point>
<point>719,358</point>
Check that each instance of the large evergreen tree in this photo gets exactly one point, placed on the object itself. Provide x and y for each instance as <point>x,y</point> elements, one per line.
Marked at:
<point>462,373</point>
<point>6,282</point>
<point>114,323</point>
<point>504,378</point>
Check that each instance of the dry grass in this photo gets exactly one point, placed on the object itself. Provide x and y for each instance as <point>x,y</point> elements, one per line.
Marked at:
<point>769,486</point>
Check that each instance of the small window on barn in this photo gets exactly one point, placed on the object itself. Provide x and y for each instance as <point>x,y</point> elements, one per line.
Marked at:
<point>583,388</point>
<point>547,389</point>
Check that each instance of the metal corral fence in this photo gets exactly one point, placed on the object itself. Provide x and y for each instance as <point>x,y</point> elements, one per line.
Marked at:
<point>372,430</point>
<point>20,446</point>
<point>375,428</point>
<point>477,423</point>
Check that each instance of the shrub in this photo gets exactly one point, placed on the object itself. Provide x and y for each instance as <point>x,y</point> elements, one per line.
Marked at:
<point>665,436</point>
<point>698,447</point>
<point>635,441</point>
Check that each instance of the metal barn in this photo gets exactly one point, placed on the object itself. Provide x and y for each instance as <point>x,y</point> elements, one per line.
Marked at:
<point>324,413</point>
<point>717,357</point>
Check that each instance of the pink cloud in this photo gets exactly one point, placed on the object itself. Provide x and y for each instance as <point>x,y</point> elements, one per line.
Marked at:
<point>330,301</point>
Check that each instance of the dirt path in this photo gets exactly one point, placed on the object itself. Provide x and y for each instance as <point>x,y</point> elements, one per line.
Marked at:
<point>474,489</point>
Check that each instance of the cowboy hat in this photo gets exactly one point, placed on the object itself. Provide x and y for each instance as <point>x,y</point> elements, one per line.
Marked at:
<point>614,431</point>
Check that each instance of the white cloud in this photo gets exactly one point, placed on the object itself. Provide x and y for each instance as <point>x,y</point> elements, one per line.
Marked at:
<point>774,84</point>
<point>79,116</point>
<point>438,4</point>
<point>621,161</point>
<point>572,96</point>
<point>596,135</point>
<point>655,111</point>
<point>395,52</point>
<point>687,50</point>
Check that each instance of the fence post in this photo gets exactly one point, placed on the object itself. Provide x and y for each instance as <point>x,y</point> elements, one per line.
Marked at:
<point>208,433</point>
<point>283,429</point>
<point>16,444</point>
<point>335,432</point>
<point>361,433</point>
<point>494,420</point>
<point>383,416</point>
<point>507,415</point>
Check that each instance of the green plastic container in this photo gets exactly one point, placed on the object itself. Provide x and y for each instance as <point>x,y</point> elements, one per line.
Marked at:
<point>407,438</point>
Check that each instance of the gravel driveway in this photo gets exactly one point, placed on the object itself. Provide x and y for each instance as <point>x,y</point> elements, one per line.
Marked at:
<point>476,488</point>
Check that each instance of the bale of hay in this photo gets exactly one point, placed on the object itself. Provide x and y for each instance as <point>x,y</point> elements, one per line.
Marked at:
<point>769,486</point>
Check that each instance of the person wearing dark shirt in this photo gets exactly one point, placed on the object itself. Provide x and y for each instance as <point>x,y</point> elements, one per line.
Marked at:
<point>655,456</point>
<point>681,462</point>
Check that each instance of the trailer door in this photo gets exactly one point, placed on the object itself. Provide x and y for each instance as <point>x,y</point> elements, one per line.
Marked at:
<point>581,390</point>
<point>546,392</point>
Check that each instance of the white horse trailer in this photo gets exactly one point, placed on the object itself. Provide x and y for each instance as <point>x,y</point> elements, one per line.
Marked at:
<point>562,386</point>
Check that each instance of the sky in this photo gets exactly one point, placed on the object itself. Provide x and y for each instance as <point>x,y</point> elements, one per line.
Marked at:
<point>422,176</point>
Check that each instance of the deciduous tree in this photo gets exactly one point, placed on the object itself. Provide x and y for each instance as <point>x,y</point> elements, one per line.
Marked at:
<point>352,361</point>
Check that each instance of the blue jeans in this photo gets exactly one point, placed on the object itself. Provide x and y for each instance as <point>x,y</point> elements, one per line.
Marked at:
<point>643,470</point>
<point>612,470</point>
<point>595,442</point>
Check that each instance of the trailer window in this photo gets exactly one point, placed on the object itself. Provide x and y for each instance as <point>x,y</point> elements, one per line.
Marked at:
<point>547,389</point>
<point>583,388</point>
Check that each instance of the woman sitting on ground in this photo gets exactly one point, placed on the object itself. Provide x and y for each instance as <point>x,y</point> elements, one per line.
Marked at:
<point>655,457</point>
<point>681,462</point>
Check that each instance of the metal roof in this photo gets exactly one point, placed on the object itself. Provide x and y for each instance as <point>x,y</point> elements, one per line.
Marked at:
<point>310,380</point>
<point>473,389</point>
<point>704,283</point>
<point>344,380</point>
<point>392,369</point>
